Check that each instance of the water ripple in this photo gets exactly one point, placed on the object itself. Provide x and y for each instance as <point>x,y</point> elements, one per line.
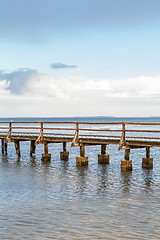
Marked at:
<point>61,201</point>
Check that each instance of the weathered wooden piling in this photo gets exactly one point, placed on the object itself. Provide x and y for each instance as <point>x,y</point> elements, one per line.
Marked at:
<point>46,157</point>
<point>147,162</point>
<point>82,160</point>
<point>17,147</point>
<point>5,147</point>
<point>64,155</point>
<point>2,142</point>
<point>33,147</point>
<point>126,165</point>
<point>103,158</point>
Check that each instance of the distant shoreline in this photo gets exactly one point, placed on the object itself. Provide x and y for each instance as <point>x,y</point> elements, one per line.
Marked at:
<point>80,117</point>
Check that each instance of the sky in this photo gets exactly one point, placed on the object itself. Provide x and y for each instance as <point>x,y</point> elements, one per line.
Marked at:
<point>70,58</point>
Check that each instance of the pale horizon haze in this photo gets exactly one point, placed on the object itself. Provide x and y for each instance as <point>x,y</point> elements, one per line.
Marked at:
<point>65,58</point>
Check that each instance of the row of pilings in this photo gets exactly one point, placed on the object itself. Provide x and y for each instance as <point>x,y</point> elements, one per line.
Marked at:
<point>103,158</point>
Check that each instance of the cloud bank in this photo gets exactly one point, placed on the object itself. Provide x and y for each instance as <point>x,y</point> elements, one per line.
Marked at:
<point>25,81</point>
<point>26,91</point>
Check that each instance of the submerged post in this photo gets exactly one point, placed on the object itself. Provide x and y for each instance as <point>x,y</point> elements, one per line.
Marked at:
<point>147,162</point>
<point>46,157</point>
<point>103,157</point>
<point>82,160</point>
<point>64,155</point>
<point>33,147</point>
<point>126,165</point>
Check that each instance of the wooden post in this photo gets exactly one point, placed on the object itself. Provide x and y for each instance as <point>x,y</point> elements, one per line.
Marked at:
<point>2,141</point>
<point>64,147</point>
<point>41,131</point>
<point>77,129</point>
<point>103,158</point>
<point>10,128</point>
<point>46,148</point>
<point>64,155</point>
<point>148,161</point>
<point>75,141</point>
<point>82,151</point>
<point>103,149</point>
<point>147,152</point>
<point>126,165</point>
<point>5,147</point>
<point>33,147</point>
<point>127,154</point>
<point>124,133</point>
<point>17,147</point>
<point>122,142</point>
<point>82,160</point>
<point>46,157</point>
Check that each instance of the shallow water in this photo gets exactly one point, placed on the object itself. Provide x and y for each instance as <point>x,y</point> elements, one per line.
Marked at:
<point>61,201</point>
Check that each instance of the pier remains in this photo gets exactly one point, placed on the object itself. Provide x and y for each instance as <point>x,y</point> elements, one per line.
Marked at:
<point>126,135</point>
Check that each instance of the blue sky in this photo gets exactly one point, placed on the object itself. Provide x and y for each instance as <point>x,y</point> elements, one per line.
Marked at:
<point>79,58</point>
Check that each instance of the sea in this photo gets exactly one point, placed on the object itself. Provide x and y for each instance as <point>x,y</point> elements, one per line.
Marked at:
<point>64,202</point>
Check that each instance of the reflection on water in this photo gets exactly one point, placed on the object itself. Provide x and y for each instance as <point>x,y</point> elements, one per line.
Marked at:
<point>126,178</point>
<point>148,177</point>
<point>62,201</point>
<point>4,159</point>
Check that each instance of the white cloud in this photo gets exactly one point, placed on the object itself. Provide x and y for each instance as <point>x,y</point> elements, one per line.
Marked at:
<point>41,95</point>
<point>139,87</point>
<point>3,85</point>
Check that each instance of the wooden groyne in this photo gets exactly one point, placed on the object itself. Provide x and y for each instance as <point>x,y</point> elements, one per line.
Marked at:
<point>127,135</point>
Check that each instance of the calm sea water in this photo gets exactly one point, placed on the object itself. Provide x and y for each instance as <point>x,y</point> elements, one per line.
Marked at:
<point>61,201</point>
